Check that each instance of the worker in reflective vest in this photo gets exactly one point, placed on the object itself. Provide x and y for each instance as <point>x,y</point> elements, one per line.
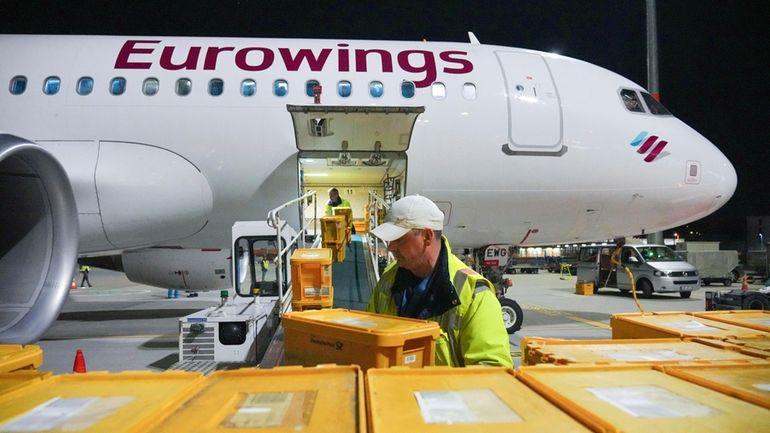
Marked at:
<point>428,282</point>
<point>265,264</point>
<point>335,201</point>
<point>84,270</point>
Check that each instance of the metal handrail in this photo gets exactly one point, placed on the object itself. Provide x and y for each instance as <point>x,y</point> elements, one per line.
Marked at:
<point>274,220</point>
<point>375,203</point>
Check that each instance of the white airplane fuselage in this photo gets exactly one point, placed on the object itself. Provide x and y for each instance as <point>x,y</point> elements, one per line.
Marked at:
<point>541,154</point>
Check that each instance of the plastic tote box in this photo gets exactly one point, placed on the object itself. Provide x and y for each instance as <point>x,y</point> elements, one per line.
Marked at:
<point>311,275</point>
<point>21,378</point>
<point>333,229</point>
<point>341,336</point>
<point>96,402</point>
<point>675,324</point>
<point>16,357</point>
<point>641,351</point>
<point>446,399</point>
<point>747,382</point>
<point>281,399</point>
<point>754,319</point>
<point>638,399</point>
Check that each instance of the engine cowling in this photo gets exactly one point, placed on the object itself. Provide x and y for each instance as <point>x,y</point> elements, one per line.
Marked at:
<point>38,239</point>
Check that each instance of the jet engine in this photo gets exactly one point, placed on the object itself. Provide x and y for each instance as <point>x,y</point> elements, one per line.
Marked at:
<point>38,239</point>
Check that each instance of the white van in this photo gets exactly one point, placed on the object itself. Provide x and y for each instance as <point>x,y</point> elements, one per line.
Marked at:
<point>656,268</point>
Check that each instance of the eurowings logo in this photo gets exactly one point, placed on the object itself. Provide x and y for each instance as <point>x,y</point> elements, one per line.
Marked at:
<point>647,144</point>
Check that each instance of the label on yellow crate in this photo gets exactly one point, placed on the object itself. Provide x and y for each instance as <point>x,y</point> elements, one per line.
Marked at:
<point>290,410</point>
<point>472,406</point>
<point>652,402</point>
<point>640,355</point>
<point>66,414</point>
<point>690,325</point>
<point>763,322</point>
<point>355,321</point>
<point>762,386</point>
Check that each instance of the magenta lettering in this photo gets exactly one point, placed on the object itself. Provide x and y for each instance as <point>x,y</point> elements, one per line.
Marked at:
<point>467,66</point>
<point>315,64</point>
<point>343,58</point>
<point>385,60</point>
<point>191,62</point>
<point>267,59</point>
<point>211,57</point>
<point>428,66</point>
<point>122,62</point>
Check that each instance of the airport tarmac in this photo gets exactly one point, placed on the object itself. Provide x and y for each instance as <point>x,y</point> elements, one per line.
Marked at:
<point>121,325</point>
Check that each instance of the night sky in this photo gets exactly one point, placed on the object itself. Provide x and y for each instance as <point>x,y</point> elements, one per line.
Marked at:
<point>713,55</point>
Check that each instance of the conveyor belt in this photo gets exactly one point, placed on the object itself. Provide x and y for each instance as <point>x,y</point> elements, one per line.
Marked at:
<point>350,280</point>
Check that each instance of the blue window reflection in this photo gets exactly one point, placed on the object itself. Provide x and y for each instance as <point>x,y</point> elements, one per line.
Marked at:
<point>280,88</point>
<point>118,86</point>
<point>309,87</point>
<point>407,89</point>
<point>52,85</point>
<point>216,87</point>
<point>248,87</point>
<point>344,88</point>
<point>85,86</point>
<point>18,85</point>
<point>151,86</point>
<point>376,89</point>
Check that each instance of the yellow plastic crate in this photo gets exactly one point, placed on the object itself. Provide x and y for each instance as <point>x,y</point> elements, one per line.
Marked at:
<point>342,336</point>
<point>445,399</point>
<point>637,399</point>
<point>675,324</point>
<point>348,214</point>
<point>16,357</point>
<point>361,227</point>
<point>282,399</point>
<point>747,382</point>
<point>584,288</point>
<point>333,229</point>
<point>754,319</point>
<point>20,378</point>
<point>311,275</point>
<point>537,350</point>
<point>97,402</point>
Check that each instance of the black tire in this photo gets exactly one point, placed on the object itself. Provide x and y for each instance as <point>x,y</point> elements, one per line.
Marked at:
<point>755,301</point>
<point>645,288</point>
<point>727,282</point>
<point>685,295</point>
<point>512,315</point>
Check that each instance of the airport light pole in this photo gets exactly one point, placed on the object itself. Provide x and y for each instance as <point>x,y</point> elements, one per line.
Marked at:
<point>652,77</point>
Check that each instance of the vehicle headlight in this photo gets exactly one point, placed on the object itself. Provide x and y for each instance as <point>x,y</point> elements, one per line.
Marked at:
<point>695,273</point>
<point>660,274</point>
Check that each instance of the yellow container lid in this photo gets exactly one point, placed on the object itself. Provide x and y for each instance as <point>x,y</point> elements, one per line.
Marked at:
<point>283,399</point>
<point>747,382</point>
<point>682,324</point>
<point>637,399</point>
<point>471,399</point>
<point>361,327</point>
<point>756,347</point>
<point>19,379</point>
<point>96,402</point>
<point>17,357</point>
<point>754,319</point>
<point>312,255</point>
<point>639,351</point>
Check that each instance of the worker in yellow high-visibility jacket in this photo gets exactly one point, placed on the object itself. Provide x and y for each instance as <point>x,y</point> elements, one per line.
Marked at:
<point>335,201</point>
<point>428,282</point>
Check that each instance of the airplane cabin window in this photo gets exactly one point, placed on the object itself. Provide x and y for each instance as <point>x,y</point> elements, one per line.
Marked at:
<point>631,100</point>
<point>654,105</point>
<point>309,86</point>
<point>183,86</point>
<point>151,86</point>
<point>280,87</point>
<point>216,87</point>
<point>52,85</point>
<point>344,88</point>
<point>438,90</point>
<point>18,85</point>
<point>118,86</point>
<point>407,89</point>
<point>469,91</point>
<point>248,87</point>
<point>376,89</point>
<point>85,86</point>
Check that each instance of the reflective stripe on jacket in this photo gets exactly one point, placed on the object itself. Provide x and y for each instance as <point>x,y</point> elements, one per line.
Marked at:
<point>471,332</point>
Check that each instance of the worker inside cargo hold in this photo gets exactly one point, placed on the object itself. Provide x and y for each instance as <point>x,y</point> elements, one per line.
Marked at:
<point>428,282</point>
<point>335,201</point>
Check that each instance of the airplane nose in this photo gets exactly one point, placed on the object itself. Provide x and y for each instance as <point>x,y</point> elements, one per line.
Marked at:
<point>722,177</point>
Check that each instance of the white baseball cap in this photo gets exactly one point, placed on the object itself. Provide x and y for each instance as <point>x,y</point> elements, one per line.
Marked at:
<point>410,212</point>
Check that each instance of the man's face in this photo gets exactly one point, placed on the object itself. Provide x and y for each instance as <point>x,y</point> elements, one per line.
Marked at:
<point>409,249</point>
<point>333,195</point>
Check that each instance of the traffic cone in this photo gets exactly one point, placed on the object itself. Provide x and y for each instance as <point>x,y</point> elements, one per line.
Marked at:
<point>745,284</point>
<point>74,284</point>
<point>80,363</point>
